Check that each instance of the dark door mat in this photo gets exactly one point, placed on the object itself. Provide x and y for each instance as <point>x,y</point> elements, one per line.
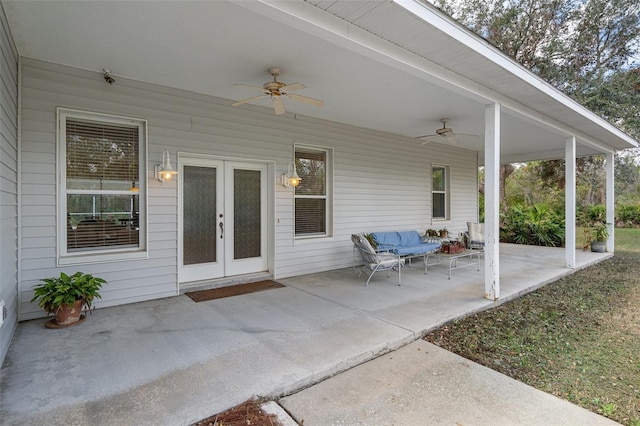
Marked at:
<point>234,290</point>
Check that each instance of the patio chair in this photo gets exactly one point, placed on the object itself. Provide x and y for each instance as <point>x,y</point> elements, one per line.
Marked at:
<point>474,237</point>
<point>374,261</point>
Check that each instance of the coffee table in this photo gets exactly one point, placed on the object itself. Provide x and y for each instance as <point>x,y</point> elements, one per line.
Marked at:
<point>456,261</point>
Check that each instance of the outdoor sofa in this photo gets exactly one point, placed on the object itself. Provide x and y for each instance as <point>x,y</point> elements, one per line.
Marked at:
<point>406,244</point>
<point>389,251</point>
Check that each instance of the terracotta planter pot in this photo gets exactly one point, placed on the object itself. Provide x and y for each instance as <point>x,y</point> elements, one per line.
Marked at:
<point>66,315</point>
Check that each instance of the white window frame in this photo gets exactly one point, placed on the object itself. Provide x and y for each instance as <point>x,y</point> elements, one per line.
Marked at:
<point>64,257</point>
<point>328,197</point>
<point>446,192</point>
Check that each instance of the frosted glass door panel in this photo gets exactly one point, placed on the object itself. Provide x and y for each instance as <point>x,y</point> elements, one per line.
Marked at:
<point>199,228</point>
<point>247,214</point>
<point>246,218</point>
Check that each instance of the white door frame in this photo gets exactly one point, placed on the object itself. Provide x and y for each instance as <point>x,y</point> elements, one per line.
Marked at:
<point>268,245</point>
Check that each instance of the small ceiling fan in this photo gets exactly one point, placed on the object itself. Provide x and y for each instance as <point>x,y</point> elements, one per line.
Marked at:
<point>445,134</point>
<point>276,90</point>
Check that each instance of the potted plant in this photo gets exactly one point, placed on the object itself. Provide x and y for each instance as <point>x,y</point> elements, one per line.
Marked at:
<point>444,233</point>
<point>66,295</point>
<point>431,232</point>
<point>372,241</point>
<point>599,234</point>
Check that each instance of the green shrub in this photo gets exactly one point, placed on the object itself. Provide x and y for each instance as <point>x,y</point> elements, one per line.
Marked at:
<point>595,213</point>
<point>535,225</point>
<point>628,215</point>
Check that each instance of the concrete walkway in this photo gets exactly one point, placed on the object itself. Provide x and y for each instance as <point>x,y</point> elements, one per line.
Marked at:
<point>173,361</point>
<point>422,384</point>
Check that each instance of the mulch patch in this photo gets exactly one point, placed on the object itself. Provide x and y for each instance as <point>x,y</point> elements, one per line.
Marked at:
<point>234,290</point>
<point>247,413</point>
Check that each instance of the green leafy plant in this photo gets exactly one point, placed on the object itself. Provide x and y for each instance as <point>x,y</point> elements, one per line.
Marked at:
<point>372,241</point>
<point>430,232</point>
<point>52,293</point>
<point>608,409</point>
<point>601,231</point>
<point>535,225</point>
<point>627,215</point>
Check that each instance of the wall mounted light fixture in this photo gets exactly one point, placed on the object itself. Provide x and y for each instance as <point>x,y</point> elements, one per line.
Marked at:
<point>164,172</point>
<point>291,178</point>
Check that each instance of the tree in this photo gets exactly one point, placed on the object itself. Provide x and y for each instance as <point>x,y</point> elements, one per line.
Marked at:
<point>589,49</point>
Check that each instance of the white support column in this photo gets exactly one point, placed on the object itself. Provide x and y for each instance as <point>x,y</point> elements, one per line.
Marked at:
<point>492,201</point>
<point>609,188</point>
<point>570,202</point>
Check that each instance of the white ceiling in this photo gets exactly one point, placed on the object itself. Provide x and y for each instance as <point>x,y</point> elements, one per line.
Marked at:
<point>206,47</point>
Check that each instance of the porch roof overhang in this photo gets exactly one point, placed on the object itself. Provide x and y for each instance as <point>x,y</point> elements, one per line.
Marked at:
<point>393,66</point>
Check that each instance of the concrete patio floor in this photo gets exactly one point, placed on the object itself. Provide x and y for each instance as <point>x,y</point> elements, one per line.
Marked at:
<point>173,361</point>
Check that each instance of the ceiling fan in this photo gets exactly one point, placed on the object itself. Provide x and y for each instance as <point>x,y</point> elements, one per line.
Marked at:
<point>445,134</point>
<point>276,90</point>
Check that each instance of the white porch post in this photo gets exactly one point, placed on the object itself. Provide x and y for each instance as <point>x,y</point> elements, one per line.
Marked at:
<point>492,201</point>
<point>609,188</point>
<point>570,202</point>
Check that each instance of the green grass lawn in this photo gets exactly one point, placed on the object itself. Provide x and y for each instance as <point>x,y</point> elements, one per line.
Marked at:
<point>628,239</point>
<point>577,338</point>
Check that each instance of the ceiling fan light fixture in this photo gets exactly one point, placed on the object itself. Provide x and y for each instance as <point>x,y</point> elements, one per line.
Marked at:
<point>445,134</point>
<point>276,90</point>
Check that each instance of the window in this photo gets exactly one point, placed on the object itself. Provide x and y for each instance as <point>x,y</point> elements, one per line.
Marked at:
<point>101,167</point>
<point>440,192</point>
<point>312,201</point>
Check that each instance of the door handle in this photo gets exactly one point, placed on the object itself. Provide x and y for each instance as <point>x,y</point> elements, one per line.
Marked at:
<point>221,229</point>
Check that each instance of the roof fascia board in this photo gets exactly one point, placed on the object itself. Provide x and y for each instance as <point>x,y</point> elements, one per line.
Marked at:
<point>312,20</point>
<point>438,19</point>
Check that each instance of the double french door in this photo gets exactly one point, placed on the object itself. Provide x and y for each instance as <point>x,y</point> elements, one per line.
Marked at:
<point>222,218</point>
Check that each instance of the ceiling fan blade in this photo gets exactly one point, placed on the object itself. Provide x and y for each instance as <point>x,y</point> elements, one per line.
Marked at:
<point>244,101</point>
<point>450,140</point>
<point>291,87</point>
<point>425,136</point>
<point>262,89</point>
<point>430,138</point>
<point>306,100</point>
<point>278,105</point>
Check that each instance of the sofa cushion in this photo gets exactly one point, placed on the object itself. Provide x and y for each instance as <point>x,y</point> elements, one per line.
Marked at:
<point>476,231</point>
<point>423,248</point>
<point>403,243</point>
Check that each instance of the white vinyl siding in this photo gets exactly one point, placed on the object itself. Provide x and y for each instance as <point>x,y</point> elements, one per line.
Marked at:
<point>378,179</point>
<point>8,183</point>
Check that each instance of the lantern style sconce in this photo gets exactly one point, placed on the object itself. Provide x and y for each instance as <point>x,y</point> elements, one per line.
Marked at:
<point>164,172</point>
<point>291,178</point>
